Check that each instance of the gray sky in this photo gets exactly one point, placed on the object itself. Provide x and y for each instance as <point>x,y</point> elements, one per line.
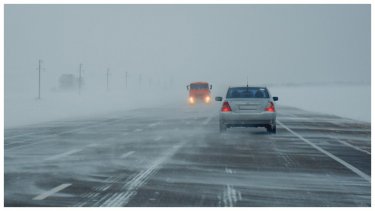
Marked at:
<point>216,43</point>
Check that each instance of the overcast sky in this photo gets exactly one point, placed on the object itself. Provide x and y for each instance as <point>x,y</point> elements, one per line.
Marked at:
<point>215,43</point>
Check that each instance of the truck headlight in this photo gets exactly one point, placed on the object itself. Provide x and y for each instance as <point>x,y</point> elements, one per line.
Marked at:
<point>207,99</point>
<point>191,99</point>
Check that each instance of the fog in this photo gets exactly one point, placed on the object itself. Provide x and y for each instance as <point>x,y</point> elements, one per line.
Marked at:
<point>162,48</point>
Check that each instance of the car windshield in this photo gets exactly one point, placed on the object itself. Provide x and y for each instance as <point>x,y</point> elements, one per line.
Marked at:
<point>198,86</point>
<point>247,92</point>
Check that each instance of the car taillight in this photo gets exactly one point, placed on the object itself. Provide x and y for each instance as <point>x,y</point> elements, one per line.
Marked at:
<point>226,107</point>
<point>270,107</point>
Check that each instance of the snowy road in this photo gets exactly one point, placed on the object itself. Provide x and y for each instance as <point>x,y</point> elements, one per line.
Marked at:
<point>175,156</point>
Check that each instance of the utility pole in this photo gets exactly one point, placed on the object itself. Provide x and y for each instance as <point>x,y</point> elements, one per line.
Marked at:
<point>39,70</point>
<point>80,79</point>
<point>107,79</point>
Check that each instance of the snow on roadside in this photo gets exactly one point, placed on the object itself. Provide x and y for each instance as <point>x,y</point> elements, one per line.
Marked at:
<point>350,101</point>
<point>21,109</point>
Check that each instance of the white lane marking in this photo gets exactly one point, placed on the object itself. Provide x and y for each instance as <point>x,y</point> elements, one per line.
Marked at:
<point>131,187</point>
<point>138,130</point>
<point>231,196</point>
<point>354,147</point>
<point>349,145</point>
<point>347,165</point>
<point>92,145</point>
<point>154,124</point>
<point>228,171</point>
<point>55,157</point>
<point>127,154</point>
<point>52,191</point>
<point>158,138</point>
<point>207,120</point>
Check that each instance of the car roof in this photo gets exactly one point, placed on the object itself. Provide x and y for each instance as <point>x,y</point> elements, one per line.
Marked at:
<point>248,86</point>
<point>200,82</point>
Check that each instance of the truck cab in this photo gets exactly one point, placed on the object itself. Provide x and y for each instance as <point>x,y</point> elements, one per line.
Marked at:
<point>199,92</point>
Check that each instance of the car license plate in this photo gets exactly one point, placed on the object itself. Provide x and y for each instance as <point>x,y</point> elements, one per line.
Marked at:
<point>248,107</point>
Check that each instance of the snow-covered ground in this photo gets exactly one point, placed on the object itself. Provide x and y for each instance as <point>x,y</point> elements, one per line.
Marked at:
<point>22,109</point>
<point>351,101</point>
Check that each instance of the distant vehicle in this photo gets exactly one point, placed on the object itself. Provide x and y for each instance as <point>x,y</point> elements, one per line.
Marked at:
<point>199,92</point>
<point>248,107</point>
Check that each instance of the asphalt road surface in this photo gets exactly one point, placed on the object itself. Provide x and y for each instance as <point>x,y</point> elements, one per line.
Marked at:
<point>175,156</point>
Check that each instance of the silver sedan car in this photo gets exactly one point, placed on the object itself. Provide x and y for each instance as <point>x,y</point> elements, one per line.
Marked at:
<point>248,107</point>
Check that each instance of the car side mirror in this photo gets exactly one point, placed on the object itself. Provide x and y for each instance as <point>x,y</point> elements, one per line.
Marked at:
<point>218,98</point>
<point>275,98</point>
<point>211,86</point>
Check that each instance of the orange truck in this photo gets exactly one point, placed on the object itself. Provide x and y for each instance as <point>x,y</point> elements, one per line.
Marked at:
<point>199,92</point>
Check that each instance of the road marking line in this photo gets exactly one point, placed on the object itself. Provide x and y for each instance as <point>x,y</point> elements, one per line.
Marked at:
<point>92,145</point>
<point>344,143</point>
<point>349,145</point>
<point>347,165</point>
<point>154,124</point>
<point>207,120</point>
<point>52,191</point>
<point>127,154</point>
<point>69,152</point>
<point>228,171</point>
<point>55,157</point>
<point>138,130</point>
<point>131,187</point>
<point>231,196</point>
<point>158,138</point>
<point>354,147</point>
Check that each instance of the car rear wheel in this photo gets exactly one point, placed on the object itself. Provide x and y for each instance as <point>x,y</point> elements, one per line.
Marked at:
<point>223,127</point>
<point>274,129</point>
<point>271,128</point>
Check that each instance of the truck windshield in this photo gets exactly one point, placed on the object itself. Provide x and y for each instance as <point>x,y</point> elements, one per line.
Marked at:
<point>247,92</point>
<point>198,86</point>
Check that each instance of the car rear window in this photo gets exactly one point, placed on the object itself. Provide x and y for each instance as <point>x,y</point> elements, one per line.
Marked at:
<point>198,86</point>
<point>247,92</point>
